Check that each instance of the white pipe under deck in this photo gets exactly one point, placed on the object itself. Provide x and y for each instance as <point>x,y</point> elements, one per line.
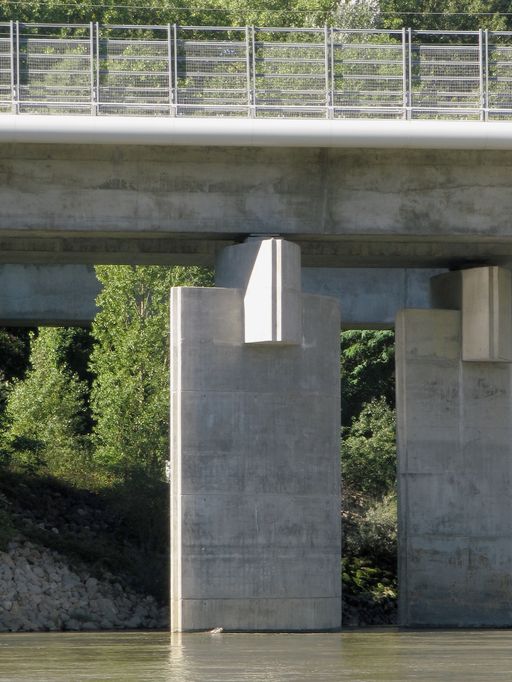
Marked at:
<point>249,132</point>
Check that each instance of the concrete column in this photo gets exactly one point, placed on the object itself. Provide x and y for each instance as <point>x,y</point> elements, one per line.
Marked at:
<point>255,532</point>
<point>455,466</point>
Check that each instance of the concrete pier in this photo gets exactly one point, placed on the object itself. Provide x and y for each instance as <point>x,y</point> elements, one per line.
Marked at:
<point>454,401</point>
<point>255,536</point>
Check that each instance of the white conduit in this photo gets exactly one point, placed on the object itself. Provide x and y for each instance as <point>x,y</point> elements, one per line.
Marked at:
<point>247,132</point>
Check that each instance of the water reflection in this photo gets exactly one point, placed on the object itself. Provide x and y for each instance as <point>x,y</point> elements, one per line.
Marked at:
<point>355,656</point>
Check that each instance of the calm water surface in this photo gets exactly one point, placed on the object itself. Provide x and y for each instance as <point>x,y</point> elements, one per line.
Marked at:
<point>357,656</point>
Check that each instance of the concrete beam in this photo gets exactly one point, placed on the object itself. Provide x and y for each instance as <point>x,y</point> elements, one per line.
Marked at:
<point>201,249</point>
<point>38,295</point>
<point>34,295</point>
<point>369,298</point>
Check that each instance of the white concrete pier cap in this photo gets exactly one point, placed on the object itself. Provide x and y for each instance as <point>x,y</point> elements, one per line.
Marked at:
<point>268,271</point>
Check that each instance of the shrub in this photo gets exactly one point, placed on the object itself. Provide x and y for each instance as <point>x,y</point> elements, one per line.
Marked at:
<point>47,414</point>
<point>368,450</point>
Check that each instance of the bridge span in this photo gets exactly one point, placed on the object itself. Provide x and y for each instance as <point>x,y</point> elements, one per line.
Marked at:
<point>238,148</point>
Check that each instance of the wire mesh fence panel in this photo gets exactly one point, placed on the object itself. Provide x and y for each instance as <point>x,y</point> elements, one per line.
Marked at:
<point>369,113</point>
<point>133,70</point>
<point>54,68</point>
<point>446,75</point>
<point>211,66</point>
<point>290,72</point>
<point>6,68</point>
<point>264,72</point>
<point>368,74</point>
<point>290,112</point>
<point>499,75</point>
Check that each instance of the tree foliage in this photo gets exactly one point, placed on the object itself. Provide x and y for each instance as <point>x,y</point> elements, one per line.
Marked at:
<point>368,464</point>
<point>356,14</point>
<point>369,451</point>
<point>444,15</point>
<point>130,394</point>
<point>367,370</point>
<point>391,14</point>
<point>161,12</point>
<point>46,414</point>
<point>14,354</point>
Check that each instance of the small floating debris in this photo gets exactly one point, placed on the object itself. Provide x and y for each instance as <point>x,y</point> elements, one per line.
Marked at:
<point>216,631</point>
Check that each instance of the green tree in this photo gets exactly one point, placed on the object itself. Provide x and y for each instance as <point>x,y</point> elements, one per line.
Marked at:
<point>392,14</point>
<point>368,459</point>
<point>130,361</point>
<point>455,15</point>
<point>14,354</point>
<point>46,412</point>
<point>368,464</point>
<point>367,370</point>
<point>158,12</point>
<point>356,14</point>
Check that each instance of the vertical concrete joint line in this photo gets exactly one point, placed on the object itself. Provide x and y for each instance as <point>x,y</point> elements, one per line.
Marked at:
<point>274,298</point>
<point>402,464</point>
<point>493,319</point>
<point>176,511</point>
<point>277,288</point>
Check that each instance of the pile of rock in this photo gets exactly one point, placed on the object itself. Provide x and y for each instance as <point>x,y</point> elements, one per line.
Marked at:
<point>39,591</point>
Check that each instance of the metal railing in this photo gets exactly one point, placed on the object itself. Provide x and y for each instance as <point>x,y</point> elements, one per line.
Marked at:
<point>254,71</point>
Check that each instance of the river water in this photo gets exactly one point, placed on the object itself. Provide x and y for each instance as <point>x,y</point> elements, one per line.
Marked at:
<point>355,656</point>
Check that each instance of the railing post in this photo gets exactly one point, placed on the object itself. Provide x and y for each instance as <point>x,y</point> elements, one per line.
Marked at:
<point>405,96</point>
<point>486,75</point>
<point>16,68</point>
<point>172,104</point>
<point>94,108</point>
<point>248,80</point>
<point>98,71</point>
<point>409,74</point>
<point>14,97</point>
<point>175,69</point>
<point>329,111</point>
<point>481,74</point>
<point>333,75</point>
<point>253,70</point>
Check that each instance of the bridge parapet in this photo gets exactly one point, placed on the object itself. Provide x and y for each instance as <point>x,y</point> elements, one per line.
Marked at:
<point>254,72</point>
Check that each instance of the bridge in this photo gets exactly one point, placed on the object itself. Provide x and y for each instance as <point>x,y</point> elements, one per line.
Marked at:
<point>319,170</point>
